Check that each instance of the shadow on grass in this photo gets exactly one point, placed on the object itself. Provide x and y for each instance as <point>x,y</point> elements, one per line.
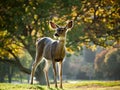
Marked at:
<point>55,89</point>
<point>40,88</point>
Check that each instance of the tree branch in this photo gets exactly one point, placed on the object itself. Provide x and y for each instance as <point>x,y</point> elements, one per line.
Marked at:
<point>13,62</point>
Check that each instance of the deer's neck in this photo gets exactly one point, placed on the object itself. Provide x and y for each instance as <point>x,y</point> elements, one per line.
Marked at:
<point>62,40</point>
<point>60,49</point>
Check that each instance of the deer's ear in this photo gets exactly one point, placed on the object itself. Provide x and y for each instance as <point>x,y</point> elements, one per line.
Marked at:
<point>69,25</point>
<point>53,25</point>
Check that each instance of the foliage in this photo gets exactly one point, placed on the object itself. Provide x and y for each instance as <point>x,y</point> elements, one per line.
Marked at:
<point>101,21</point>
<point>107,65</point>
<point>23,21</point>
<point>112,62</point>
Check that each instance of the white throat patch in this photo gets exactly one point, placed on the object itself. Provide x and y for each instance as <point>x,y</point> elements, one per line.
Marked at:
<point>62,38</point>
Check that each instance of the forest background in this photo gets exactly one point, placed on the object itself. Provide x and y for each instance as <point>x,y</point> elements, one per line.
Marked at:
<point>93,44</point>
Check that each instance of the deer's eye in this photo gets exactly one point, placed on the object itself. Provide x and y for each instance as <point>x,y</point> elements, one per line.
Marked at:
<point>60,30</point>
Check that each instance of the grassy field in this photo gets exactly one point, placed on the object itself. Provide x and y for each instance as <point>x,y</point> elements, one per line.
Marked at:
<point>72,85</point>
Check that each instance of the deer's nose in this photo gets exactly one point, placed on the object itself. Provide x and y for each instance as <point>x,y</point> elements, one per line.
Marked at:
<point>56,35</point>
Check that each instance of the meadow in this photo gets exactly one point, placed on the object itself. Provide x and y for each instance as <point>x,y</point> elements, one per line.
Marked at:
<point>71,85</point>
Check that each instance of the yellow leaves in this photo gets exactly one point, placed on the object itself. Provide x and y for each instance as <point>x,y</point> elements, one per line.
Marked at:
<point>38,23</point>
<point>32,22</point>
<point>78,47</point>
<point>26,9</point>
<point>100,12</point>
<point>70,50</point>
<point>15,49</point>
<point>30,2</point>
<point>3,33</point>
<point>3,53</point>
<point>74,14</point>
<point>8,43</point>
<point>33,32</point>
<point>34,8</point>
<point>81,44</point>
<point>35,16</point>
<point>88,3</point>
<point>91,10</point>
<point>104,20</point>
<point>110,26</point>
<point>23,37</point>
<point>55,18</point>
<point>16,27</point>
<point>88,20</point>
<point>93,47</point>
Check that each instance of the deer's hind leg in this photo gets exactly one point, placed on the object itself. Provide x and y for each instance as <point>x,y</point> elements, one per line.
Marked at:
<point>35,64</point>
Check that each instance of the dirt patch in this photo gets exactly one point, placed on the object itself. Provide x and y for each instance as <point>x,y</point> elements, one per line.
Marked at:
<point>97,87</point>
<point>89,86</point>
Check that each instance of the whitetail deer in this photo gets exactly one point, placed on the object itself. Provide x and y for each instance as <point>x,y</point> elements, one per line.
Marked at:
<point>52,51</point>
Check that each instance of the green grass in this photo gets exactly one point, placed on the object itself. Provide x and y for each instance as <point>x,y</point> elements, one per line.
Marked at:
<point>71,85</point>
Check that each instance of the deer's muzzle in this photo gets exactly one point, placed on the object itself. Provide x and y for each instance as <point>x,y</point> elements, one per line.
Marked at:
<point>57,35</point>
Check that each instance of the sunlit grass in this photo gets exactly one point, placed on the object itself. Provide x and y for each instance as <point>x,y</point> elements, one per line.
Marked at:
<point>6,86</point>
<point>92,84</point>
<point>70,85</point>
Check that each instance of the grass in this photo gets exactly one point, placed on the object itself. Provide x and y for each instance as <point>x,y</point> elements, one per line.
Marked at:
<point>71,85</point>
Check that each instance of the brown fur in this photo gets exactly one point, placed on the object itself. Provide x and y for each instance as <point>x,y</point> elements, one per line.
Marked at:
<point>53,51</point>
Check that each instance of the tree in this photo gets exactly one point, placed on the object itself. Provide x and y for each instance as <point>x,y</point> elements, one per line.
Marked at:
<point>101,22</point>
<point>99,64</point>
<point>112,64</point>
<point>107,64</point>
<point>23,21</point>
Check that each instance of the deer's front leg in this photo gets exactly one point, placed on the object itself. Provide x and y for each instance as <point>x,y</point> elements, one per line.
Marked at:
<point>55,73</point>
<point>60,73</point>
<point>46,68</point>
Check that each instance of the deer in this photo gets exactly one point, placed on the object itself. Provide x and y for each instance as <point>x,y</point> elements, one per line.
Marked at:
<point>53,51</point>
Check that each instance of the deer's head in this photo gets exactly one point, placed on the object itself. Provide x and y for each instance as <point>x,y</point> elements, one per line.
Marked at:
<point>61,31</point>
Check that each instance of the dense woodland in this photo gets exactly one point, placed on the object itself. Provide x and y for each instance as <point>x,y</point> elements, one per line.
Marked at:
<point>93,44</point>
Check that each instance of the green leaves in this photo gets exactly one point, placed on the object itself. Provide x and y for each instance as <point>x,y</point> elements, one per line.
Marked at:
<point>95,21</point>
<point>101,21</point>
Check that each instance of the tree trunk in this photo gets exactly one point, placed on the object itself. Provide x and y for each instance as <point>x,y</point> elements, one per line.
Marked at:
<point>2,72</point>
<point>20,78</point>
<point>17,64</point>
<point>9,74</point>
